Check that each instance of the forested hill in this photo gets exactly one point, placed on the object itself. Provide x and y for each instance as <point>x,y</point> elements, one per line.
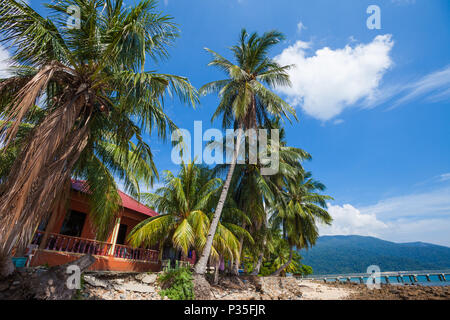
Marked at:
<point>353,254</point>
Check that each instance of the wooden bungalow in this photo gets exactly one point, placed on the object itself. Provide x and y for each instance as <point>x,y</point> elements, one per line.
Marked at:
<point>68,234</point>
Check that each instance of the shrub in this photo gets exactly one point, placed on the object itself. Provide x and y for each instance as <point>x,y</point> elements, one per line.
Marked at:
<point>177,284</point>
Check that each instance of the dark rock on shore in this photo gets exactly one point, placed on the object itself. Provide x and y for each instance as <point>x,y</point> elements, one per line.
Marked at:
<point>396,292</point>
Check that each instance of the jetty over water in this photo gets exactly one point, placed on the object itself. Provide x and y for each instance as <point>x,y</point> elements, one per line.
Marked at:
<point>388,277</point>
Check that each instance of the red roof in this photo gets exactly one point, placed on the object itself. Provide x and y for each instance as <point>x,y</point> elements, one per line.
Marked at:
<point>132,204</point>
<point>127,201</point>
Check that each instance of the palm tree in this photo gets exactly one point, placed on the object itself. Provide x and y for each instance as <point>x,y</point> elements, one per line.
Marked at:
<point>97,98</point>
<point>185,203</point>
<point>245,102</point>
<point>277,254</point>
<point>297,214</point>
<point>254,193</point>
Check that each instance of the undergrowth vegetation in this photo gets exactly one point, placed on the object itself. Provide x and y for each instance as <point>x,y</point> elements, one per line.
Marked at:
<point>177,284</point>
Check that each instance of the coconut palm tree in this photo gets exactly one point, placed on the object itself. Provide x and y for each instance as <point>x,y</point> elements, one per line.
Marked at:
<point>246,101</point>
<point>91,82</point>
<point>185,204</point>
<point>254,193</point>
<point>297,214</point>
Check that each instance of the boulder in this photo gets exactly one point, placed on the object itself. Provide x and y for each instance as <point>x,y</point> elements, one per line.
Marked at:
<point>147,278</point>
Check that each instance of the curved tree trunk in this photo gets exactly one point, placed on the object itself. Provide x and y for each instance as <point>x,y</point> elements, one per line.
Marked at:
<point>200,267</point>
<point>277,273</point>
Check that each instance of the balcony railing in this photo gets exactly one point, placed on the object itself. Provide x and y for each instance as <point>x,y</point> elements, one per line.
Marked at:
<point>59,242</point>
<point>126,252</point>
<point>62,243</point>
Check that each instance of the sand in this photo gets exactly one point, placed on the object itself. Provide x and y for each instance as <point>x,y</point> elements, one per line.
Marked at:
<point>312,290</point>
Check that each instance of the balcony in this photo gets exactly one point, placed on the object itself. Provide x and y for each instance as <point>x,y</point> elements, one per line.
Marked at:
<point>127,252</point>
<point>63,243</point>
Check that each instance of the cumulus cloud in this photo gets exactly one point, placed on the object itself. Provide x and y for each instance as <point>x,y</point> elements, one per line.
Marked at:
<point>414,217</point>
<point>329,81</point>
<point>348,220</point>
<point>432,230</point>
<point>4,63</point>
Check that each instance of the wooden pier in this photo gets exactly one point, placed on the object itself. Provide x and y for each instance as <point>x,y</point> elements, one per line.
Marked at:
<point>399,276</point>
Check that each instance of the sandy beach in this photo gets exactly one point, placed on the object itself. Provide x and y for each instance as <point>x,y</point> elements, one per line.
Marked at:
<point>312,290</point>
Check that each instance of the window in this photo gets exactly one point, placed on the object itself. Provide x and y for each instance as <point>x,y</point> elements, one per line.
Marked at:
<point>73,224</point>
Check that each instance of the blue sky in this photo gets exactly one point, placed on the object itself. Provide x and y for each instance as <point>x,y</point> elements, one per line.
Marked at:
<point>374,105</point>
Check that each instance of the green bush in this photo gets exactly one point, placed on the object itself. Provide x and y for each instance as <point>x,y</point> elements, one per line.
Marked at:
<point>177,284</point>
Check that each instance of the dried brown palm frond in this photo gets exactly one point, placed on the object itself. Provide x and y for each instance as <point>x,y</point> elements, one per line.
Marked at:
<point>47,160</point>
<point>86,126</point>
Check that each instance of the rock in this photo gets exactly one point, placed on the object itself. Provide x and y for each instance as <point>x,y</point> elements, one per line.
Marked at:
<point>134,287</point>
<point>47,285</point>
<point>95,282</point>
<point>148,278</point>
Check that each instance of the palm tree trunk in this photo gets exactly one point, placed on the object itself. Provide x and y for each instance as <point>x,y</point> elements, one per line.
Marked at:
<point>277,273</point>
<point>257,268</point>
<point>200,267</point>
<point>235,270</point>
<point>216,274</point>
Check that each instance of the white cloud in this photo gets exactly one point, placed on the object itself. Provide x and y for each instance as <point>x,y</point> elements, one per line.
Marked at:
<point>4,63</point>
<point>435,203</point>
<point>444,177</point>
<point>415,217</point>
<point>432,230</point>
<point>330,81</point>
<point>348,220</point>
<point>432,87</point>
<point>436,83</point>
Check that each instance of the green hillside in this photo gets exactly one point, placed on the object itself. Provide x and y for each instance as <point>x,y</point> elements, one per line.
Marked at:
<point>353,254</point>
